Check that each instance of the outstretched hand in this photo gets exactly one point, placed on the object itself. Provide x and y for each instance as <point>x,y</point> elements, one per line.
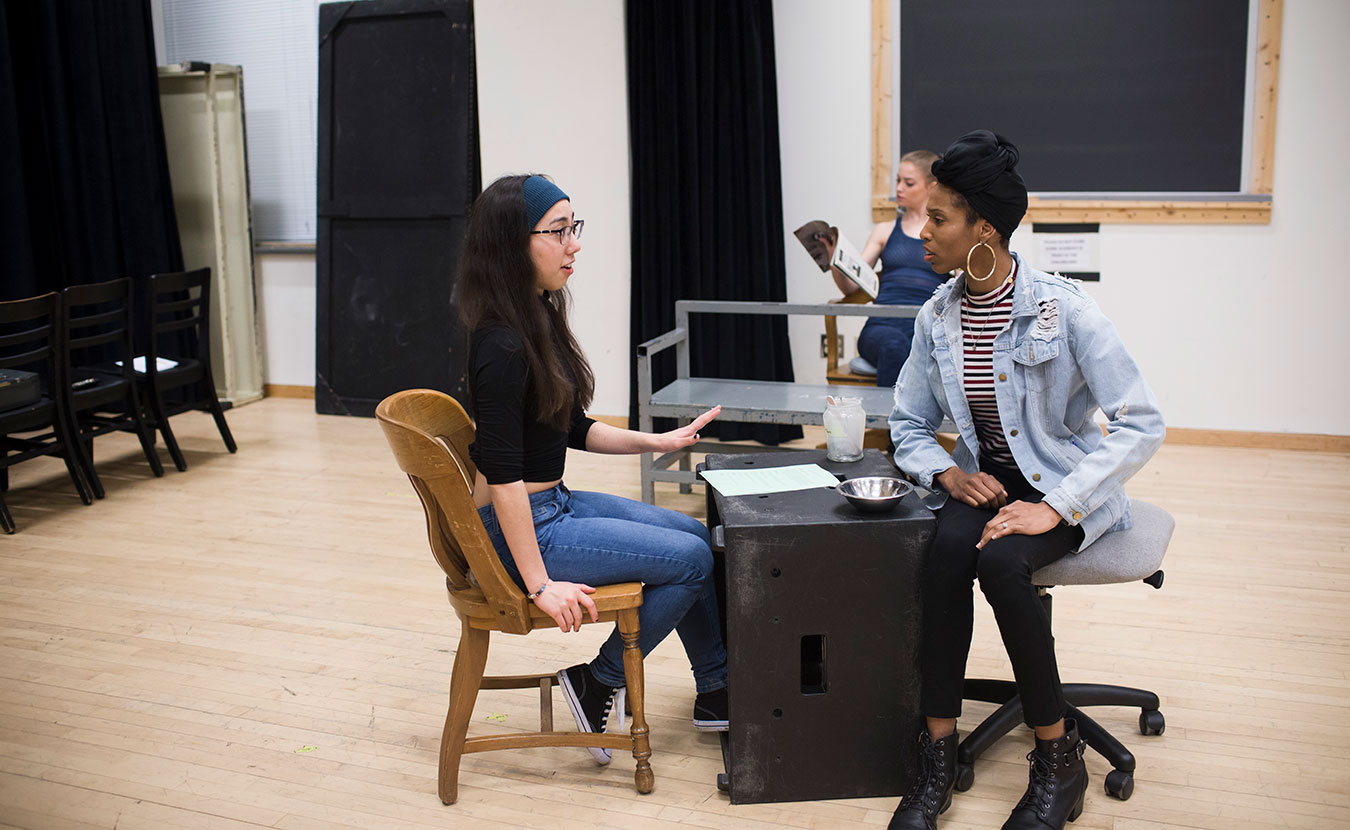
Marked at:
<point>678,439</point>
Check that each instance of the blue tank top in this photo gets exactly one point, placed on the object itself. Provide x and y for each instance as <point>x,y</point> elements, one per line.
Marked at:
<point>905,278</point>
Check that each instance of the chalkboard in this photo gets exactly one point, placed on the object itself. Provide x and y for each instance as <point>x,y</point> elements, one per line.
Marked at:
<point>1103,96</point>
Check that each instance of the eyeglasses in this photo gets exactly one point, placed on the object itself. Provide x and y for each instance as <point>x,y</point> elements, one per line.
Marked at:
<point>566,232</point>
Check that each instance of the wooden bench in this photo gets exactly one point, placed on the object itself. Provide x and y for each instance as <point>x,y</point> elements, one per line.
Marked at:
<point>749,401</point>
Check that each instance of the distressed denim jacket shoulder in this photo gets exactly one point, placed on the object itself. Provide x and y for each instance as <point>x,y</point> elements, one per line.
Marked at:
<point>1058,361</point>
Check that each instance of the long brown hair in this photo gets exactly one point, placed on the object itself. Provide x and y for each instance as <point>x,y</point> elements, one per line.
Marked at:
<point>497,287</point>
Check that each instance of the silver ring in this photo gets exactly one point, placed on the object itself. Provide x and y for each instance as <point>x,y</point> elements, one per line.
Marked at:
<point>1005,525</point>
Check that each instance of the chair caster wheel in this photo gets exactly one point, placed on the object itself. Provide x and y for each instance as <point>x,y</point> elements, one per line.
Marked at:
<point>1120,784</point>
<point>1151,722</point>
<point>965,777</point>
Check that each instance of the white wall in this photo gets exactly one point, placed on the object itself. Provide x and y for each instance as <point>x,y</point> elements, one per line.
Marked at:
<point>1233,325</point>
<point>824,63</point>
<point>553,98</point>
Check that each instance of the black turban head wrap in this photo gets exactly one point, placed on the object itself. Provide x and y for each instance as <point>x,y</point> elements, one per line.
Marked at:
<point>982,167</point>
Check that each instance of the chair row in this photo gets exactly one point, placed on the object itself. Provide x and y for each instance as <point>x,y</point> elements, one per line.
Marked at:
<point>81,345</point>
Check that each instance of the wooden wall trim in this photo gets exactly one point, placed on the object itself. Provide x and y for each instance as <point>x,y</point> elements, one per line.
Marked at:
<point>1270,16</point>
<point>883,104</point>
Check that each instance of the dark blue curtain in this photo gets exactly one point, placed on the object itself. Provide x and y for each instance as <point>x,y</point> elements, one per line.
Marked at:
<point>84,177</point>
<point>707,209</point>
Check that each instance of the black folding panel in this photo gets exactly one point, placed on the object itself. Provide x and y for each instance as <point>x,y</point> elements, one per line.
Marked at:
<point>398,169</point>
<point>822,610</point>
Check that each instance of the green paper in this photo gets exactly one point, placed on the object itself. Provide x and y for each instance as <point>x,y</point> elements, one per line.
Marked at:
<point>769,479</point>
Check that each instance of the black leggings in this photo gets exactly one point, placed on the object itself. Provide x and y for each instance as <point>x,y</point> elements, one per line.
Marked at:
<point>1004,568</point>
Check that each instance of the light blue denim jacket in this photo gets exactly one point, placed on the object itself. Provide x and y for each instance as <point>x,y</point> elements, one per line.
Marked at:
<point>1055,364</point>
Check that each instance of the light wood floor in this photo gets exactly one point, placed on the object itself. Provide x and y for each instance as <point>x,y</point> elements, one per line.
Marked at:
<point>264,641</point>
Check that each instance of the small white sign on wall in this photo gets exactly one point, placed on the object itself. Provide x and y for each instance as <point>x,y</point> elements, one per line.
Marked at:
<point>1071,250</point>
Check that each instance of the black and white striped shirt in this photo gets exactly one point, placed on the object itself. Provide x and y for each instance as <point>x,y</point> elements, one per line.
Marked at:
<point>983,316</point>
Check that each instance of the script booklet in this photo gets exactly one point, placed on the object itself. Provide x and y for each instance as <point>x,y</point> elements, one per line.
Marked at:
<point>828,247</point>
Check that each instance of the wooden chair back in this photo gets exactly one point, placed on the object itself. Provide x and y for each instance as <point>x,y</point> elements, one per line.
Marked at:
<point>98,325</point>
<point>179,301</point>
<point>29,336</point>
<point>834,374</point>
<point>430,433</point>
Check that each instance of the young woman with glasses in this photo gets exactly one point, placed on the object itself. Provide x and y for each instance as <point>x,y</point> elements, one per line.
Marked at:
<point>1020,361</point>
<point>529,386</point>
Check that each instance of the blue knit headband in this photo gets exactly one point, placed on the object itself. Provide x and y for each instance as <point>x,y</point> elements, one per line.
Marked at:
<point>540,195</point>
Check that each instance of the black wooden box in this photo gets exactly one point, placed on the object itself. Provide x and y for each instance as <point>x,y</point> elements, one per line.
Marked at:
<point>821,606</point>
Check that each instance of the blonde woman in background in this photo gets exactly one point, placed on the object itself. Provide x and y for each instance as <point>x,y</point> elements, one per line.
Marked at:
<point>905,278</point>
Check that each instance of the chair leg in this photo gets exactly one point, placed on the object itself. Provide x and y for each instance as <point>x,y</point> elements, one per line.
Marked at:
<point>629,629</point>
<point>6,520</point>
<point>162,421</point>
<point>147,438</point>
<point>1104,742</point>
<point>84,450</point>
<point>470,660</point>
<point>72,450</point>
<point>1003,720</point>
<point>213,404</point>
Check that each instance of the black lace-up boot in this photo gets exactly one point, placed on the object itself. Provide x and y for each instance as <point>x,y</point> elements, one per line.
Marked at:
<point>1058,781</point>
<point>930,793</point>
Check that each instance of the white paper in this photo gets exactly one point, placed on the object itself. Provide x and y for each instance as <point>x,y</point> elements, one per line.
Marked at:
<point>138,363</point>
<point>1071,252</point>
<point>847,259</point>
<point>769,479</point>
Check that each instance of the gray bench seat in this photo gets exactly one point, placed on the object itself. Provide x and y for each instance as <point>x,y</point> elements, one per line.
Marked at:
<point>746,401</point>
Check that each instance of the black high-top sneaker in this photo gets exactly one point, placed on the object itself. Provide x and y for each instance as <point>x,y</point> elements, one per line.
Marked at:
<point>1058,781</point>
<point>930,793</point>
<point>710,711</point>
<point>590,701</point>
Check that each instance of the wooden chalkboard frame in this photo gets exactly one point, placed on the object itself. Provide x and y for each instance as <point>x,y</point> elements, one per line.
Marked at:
<point>1250,208</point>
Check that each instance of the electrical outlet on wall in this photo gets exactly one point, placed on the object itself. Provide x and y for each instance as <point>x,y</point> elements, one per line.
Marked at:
<point>825,345</point>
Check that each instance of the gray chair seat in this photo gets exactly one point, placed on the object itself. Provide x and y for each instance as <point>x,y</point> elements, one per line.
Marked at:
<point>1122,556</point>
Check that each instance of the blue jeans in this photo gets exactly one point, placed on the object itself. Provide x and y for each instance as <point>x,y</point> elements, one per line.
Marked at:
<point>600,539</point>
<point>884,342</point>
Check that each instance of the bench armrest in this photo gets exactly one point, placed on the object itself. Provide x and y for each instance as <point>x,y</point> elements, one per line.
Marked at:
<point>661,342</point>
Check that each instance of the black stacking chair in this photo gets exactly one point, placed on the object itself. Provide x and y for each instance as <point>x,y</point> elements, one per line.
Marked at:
<point>96,321</point>
<point>30,340</point>
<point>179,317</point>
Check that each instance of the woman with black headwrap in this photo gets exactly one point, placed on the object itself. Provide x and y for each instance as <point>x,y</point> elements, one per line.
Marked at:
<point>1020,361</point>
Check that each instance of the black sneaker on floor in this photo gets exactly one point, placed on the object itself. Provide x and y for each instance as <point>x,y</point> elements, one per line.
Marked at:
<point>710,711</point>
<point>590,701</point>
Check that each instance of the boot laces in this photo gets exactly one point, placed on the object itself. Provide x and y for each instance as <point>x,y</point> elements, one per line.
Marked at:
<point>1041,787</point>
<point>928,785</point>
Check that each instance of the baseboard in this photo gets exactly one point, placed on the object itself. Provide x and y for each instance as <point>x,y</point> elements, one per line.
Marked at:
<point>1259,440</point>
<point>282,390</point>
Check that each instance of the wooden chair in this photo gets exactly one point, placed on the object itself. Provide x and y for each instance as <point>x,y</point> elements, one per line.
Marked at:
<point>834,373</point>
<point>181,302</point>
<point>30,340</point>
<point>96,321</point>
<point>430,436</point>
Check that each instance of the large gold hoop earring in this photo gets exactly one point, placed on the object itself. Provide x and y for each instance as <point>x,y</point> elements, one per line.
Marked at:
<point>992,268</point>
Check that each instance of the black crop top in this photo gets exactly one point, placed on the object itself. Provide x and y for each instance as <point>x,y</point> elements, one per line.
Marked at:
<point>511,445</point>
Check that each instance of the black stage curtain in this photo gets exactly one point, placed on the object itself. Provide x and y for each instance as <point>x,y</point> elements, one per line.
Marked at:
<point>707,210</point>
<point>84,177</point>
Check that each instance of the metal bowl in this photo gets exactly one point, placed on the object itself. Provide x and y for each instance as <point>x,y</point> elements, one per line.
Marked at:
<point>874,494</point>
